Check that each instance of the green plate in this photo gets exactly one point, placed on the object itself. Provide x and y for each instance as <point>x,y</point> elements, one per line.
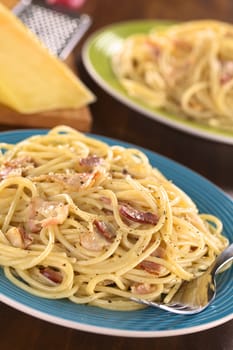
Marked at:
<point>97,53</point>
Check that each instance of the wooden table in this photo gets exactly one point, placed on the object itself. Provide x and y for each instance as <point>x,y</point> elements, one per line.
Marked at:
<point>212,159</point>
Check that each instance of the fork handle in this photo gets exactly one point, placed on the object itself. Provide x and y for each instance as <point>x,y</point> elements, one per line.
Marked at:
<point>225,257</point>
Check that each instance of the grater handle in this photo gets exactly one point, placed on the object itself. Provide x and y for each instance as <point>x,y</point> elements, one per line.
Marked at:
<point>21,6</point>
<point>25,11</point>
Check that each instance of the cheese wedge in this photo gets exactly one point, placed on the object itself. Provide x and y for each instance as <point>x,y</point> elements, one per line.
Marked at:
<point>31,79</point>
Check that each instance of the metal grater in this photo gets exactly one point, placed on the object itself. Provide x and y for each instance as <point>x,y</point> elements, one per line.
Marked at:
<point>57,28</point>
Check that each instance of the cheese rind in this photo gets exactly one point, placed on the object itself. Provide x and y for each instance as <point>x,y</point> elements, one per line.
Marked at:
<point>31,79</point>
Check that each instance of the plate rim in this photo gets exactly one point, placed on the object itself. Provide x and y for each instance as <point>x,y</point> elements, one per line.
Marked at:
<point>196,130</point>
<point>109,331</point>
<point>59,320</point>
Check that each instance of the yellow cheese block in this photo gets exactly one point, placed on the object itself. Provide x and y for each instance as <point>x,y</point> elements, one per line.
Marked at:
<point>31,79</point>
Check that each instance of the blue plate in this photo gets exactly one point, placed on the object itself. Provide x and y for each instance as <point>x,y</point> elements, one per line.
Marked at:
<point>147,322</point>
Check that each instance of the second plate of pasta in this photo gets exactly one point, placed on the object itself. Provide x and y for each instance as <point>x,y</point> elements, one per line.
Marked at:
<point>123,60</point>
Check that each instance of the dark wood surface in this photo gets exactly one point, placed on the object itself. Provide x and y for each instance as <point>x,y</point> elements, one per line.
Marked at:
<point>214,160</point>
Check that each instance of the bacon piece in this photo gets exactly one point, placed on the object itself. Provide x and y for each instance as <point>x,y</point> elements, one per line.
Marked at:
<point>227,72</point>
<point>182,44</point>
<point>138,216</point>
<point>90,161</point>
<point>159,252</point>
<point>93,241</point>
<point>21,162</point>
<point>56,212</point>
<point>73,182</point>
<point>150,266</point>
<point>33,226</point>
<point>107,206</point>
<point>52,274</point>
<point>9,171</point>
<point>16,167</point>
<point>154,47</point>
<point>18,237</point>
<point>43,213</point>
<point>106,200</point>
<point>142,288</point>
<point>105,229</point>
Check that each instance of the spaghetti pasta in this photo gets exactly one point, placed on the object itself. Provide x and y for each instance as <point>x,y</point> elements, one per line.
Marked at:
<point>185,69</point>
<point>97,223</point>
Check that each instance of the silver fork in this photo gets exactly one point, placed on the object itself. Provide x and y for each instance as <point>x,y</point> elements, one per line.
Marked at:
<point>196,295</point>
